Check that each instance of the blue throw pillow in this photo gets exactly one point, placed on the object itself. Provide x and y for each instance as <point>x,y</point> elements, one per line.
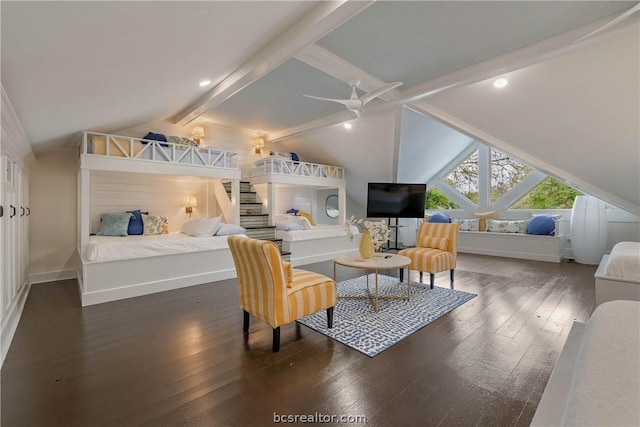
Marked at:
<point>293,211</point>
<point>155,137</point>
<point>136,226</point>
<point>294,157</point>
<point>542,225</point>
<point>114,224</point>
<point>439,217</point>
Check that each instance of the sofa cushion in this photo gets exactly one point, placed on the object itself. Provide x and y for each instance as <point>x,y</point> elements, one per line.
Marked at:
<point>483,216</point>
<point>438,217</point>
<point>542,225</point>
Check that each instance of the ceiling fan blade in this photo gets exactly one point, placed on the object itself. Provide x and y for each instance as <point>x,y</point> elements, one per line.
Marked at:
<point>611,23</point>
<point>378,91</point>
<point>346,102</point>
<point>358,113</point>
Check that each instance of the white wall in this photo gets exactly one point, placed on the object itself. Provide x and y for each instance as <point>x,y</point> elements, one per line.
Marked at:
<point>52,236</point>
<point>426,146</point>
<point>301,198</point>
<point>161,195</point>
<point>365,151</point>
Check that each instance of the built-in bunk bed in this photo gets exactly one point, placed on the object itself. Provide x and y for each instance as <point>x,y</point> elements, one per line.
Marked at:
<point>119,173</point>
<point>318,242</point>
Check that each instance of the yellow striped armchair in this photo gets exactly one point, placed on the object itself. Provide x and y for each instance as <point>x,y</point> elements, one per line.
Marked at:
<point>436,250</point>
<point>273,291</point>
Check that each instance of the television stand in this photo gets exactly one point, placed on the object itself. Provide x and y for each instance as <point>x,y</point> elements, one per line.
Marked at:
<point>395,228</point>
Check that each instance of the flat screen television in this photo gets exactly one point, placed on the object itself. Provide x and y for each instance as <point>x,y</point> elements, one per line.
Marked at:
<point>393,200</point>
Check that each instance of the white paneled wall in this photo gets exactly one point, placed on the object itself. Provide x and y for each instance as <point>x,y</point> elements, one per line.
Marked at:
<point>161,195</point>
<point>301,198</point>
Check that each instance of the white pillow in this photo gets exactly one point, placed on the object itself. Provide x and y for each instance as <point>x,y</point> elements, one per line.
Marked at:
<point>294,225</point>
<point>229,229</point>
<point>299,221</point>
<point>202,227</point>
<point>281,225</point>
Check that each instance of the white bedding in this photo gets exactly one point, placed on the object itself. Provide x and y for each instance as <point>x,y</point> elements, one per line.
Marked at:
<point>605,390</point>
<point>318,231</point>
<point>624,261</point>
<point>111,248</point>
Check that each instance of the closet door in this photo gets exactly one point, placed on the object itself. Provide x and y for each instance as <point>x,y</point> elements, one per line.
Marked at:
<point>9,232</point>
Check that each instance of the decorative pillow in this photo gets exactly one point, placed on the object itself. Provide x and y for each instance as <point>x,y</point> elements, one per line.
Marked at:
<point>281,225</point>
<point>202,227</point>
<point>154,224</point>
<point>135,223</point>
<point>180,140</point>
<point>482,226</point>
<point>308,216</point>
<point>294,157</point>
<point>557,217</point>
<point>498,226</point>
<point>542,225</point>
<point>229,229</point>
<point>288,273</point>
<point>292,225</point>
<point>468,224</point>
<point>435,243</point>
<point>155,137</point>
<point>438,217</point>
<point>114,224</point>
<point>293,211</point>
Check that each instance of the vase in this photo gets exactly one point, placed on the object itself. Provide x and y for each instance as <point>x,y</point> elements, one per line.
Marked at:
<point>366,245</point>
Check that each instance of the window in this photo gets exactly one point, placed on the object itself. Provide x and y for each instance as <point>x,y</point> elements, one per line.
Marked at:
<point>436,199</point>
<point>549,194</point>
<point>506,173</point>
<point>464,177</point>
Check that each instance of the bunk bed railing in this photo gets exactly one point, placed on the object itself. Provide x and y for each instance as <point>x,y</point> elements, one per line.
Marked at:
<point>291,167</point>
<point>102,144</point>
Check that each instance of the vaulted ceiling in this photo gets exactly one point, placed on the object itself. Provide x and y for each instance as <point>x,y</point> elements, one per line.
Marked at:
<point>105,66</point>
<point>68,66</point>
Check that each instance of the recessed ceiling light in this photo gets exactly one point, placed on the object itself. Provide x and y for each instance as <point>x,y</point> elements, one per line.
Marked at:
<point>347,125</point>
<point>205,83</point>
<point>500,83</point>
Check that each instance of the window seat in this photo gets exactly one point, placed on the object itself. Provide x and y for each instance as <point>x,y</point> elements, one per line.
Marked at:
<point>512,245</point>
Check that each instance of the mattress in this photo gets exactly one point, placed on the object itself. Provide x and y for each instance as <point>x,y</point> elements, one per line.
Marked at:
<point>112,248</point>
<point>605,390</point>
<point>317,232</point>
<point>624,261</point>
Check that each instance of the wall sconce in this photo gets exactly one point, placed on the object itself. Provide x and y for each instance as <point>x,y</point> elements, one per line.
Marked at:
<point>198,133</point>
<point>259,143</point>
<point>192,202</point>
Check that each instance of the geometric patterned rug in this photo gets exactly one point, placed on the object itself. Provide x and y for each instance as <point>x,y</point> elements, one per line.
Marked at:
<point>357,325</point>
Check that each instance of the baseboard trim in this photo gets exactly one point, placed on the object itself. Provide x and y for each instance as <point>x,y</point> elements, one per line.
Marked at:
<point>11,324</point>
<point>53,276</point>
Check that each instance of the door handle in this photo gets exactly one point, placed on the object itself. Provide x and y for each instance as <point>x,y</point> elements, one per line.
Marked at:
<point>1,211</point>
<point>28,211</point>
<point>22,211</point>
<point>13,211</point>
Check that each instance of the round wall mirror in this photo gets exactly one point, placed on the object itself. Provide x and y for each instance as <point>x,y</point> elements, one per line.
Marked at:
<point>331,206</point>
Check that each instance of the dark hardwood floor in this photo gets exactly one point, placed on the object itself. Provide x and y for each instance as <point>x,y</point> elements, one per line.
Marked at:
<point>179,357</point>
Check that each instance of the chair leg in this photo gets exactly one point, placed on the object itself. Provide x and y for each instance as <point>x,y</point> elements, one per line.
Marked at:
<point>245,323</point>
<point>276,340</point>
<point>330,317</point>
<point>432,276</point>
<point>451,278</point>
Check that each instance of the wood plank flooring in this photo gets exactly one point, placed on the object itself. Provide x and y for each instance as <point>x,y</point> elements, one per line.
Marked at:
<point>179,357</point>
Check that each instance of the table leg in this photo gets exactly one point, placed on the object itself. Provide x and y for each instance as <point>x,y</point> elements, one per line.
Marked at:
<point>408,283</point>
<point>334,271</point>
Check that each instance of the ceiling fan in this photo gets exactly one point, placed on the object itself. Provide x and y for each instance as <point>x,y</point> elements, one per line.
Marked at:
<point>354,103</point>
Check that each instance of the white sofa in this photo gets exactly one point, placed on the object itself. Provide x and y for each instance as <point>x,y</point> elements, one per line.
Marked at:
<point>596,381</point>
